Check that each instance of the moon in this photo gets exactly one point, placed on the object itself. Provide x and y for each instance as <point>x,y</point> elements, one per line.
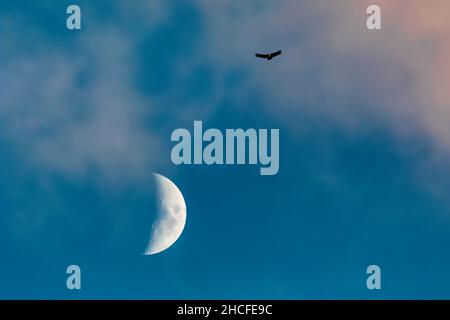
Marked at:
<point>171,217</point>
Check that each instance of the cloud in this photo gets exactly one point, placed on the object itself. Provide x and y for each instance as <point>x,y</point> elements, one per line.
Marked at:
<point>334,70</point>
<point>74,111</point>
<point>425,29</point>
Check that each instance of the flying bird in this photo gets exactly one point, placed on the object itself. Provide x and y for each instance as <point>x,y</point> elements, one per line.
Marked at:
<point>268,56</point>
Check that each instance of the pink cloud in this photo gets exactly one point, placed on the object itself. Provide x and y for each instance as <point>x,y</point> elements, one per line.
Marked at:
<point>399,76</point>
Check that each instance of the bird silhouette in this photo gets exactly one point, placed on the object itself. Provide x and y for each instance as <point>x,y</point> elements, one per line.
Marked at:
<point>268,56</point>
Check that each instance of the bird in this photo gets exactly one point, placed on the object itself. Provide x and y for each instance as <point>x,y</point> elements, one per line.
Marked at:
<point>268,56</point>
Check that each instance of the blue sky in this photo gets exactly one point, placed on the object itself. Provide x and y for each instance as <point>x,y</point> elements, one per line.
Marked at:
<point>86,117</point>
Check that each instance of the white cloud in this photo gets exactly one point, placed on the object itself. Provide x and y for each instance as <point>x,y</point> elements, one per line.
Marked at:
<point>75,111</point>
<point>333,70</point>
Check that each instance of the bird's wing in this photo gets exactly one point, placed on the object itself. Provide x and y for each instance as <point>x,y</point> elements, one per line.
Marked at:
<point>277,53</point>
<point>259,55</point>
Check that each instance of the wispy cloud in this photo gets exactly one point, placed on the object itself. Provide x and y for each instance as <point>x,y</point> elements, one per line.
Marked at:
<point>75,110</point>
<point>336,70</point>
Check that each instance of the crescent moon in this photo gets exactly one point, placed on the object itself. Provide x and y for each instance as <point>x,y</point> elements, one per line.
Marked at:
<point>171,216</point>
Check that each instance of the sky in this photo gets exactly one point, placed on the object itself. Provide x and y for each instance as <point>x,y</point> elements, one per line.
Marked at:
<point>86,117</point>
